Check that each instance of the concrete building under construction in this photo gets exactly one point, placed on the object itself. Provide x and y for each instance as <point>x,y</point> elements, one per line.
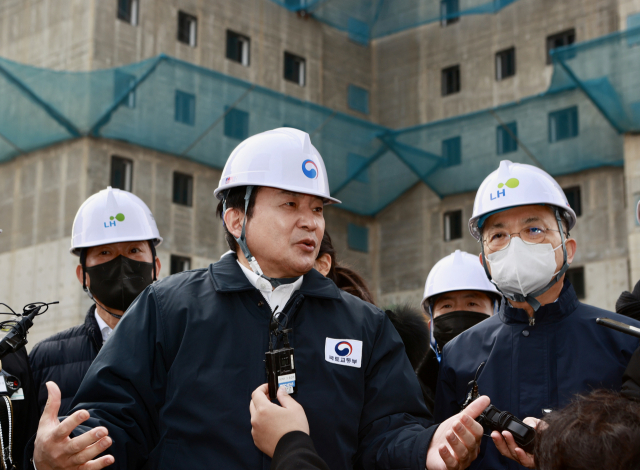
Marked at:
<point>409,117</point>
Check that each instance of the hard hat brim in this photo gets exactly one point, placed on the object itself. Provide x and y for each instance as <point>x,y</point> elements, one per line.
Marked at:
<point>219,192</point>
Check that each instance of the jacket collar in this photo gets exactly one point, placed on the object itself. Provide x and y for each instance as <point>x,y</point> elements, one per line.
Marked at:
<point>565,305</point>
<point>228,277</point>
<point>91,324</point>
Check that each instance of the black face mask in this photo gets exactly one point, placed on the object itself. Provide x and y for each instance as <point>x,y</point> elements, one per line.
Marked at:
<point>118,282</point>
<point>449,325</point>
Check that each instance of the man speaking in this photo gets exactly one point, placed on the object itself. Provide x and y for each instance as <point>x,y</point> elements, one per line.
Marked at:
<point>172,386</point>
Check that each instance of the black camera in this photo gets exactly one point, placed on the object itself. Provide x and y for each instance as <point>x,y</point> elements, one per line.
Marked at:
<point>495,420</point>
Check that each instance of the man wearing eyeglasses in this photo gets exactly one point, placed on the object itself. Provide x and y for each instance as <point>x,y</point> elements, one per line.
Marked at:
<point>544,346</point>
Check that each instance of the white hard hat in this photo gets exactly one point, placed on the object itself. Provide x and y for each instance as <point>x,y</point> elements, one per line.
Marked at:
<point>458,271</point>
<point>112,216</point>
<point>283,158</point>
<point>517,184</point>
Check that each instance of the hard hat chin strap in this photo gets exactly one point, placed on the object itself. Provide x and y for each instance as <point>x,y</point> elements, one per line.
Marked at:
<point>531,298</point>
<point>242,240</point>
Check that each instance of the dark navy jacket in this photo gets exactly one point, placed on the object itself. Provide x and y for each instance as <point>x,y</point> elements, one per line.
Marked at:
<point>529,368</point>
<point>64,358</point>
<point>174,381</point>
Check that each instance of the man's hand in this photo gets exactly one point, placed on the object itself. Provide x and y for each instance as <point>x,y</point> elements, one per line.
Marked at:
<point>54,449</point>
<point>507,446</point>
<point>456,442</point>
<point>269,422</point>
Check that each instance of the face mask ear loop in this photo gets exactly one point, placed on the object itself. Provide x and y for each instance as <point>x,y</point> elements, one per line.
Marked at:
<point>433,343</point>
<point>83,263</point>
<point>153,257</point>
<point>565,266</point>
<point>242,241</point>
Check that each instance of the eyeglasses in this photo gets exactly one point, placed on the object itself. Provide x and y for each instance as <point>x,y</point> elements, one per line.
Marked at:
<point>499,239</point>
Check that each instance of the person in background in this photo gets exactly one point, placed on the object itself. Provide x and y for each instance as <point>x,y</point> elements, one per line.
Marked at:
<point>544,346</point>
<point>628,304</point>
<point>597,431</point>
<point>22,396</point>
<point>170,387</point>
<point>344,277</point>
<point>457,296</point>
<point>114,235</point>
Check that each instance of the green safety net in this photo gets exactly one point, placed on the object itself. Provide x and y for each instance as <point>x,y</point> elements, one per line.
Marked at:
<point>370,19</point>
<point>195,113</point>
<point>607,71</point>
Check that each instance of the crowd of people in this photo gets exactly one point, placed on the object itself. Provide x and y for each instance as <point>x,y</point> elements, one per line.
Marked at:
<point>171,373</point>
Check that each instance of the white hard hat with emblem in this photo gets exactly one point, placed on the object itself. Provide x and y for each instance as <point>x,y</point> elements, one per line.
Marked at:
<point>282,158</point>
<point>455,272</point>
<point>517,184</point>
<point>112,216</point>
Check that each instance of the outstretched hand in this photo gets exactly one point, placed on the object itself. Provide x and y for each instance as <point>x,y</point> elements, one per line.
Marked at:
<point>269,422</point>
<point>507,446</point>
<point>456,442</point>
<point>54,449</point>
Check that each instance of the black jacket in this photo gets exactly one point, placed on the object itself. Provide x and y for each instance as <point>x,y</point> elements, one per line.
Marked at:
<point>533,365</point>
<point>25,410</point>
<point>174,381</point>
<point>64,358</point>
<point>295,451</point>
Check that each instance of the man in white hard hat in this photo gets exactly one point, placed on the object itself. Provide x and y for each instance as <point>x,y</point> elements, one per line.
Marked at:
<point>544,346</point>
<point>173,386</point>
<point>457,296</point>
<point>114,235</point>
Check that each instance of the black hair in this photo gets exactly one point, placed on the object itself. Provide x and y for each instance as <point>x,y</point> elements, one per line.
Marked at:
<point>235,200</point>
<point>343,276</point>
<point>597,431</point>
<point>412,326</point>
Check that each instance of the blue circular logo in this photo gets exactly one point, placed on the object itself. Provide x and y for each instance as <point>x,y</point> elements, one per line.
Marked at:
<point>309,169</point>
<point>344,349</point>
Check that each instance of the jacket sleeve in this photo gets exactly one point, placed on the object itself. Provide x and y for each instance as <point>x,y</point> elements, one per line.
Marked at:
<point>395,426</point>
<point>125,386</point>
<point>446,403</point>
<point>295,451</point>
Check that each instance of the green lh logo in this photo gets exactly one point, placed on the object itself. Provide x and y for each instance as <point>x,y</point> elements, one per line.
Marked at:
<point>511,183</point>
<point>112,220</point>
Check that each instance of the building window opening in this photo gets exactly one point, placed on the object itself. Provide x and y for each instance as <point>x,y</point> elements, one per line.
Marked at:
<point>576,277</point>
<point>123,82</point>
<point>121,173</point>
<point>452,151</point>
<point>185,108</point>
<point>182,189</point>
<point>451,80</point>
<point>452,225</point>
<point>449,12</point>
<point>187,28</point>
<point>358,238</point>
<point>128,11</point>
<point>506,64</point>
<point>238,48</point>
<point>236,124</point>
<point>574,200</point>
<point>563,124</point>
<point>294,68</point>
<point>507,138</point>
<point>180,264</point>
<point>565,38</point>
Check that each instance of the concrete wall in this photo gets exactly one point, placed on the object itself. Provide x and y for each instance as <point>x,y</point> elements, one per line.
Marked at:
<point>408,65</point>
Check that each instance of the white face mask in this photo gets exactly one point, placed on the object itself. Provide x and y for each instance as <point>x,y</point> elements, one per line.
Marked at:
<point>521,268</point>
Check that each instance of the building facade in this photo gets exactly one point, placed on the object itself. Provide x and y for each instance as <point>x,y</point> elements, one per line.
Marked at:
<point>421,75</point>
